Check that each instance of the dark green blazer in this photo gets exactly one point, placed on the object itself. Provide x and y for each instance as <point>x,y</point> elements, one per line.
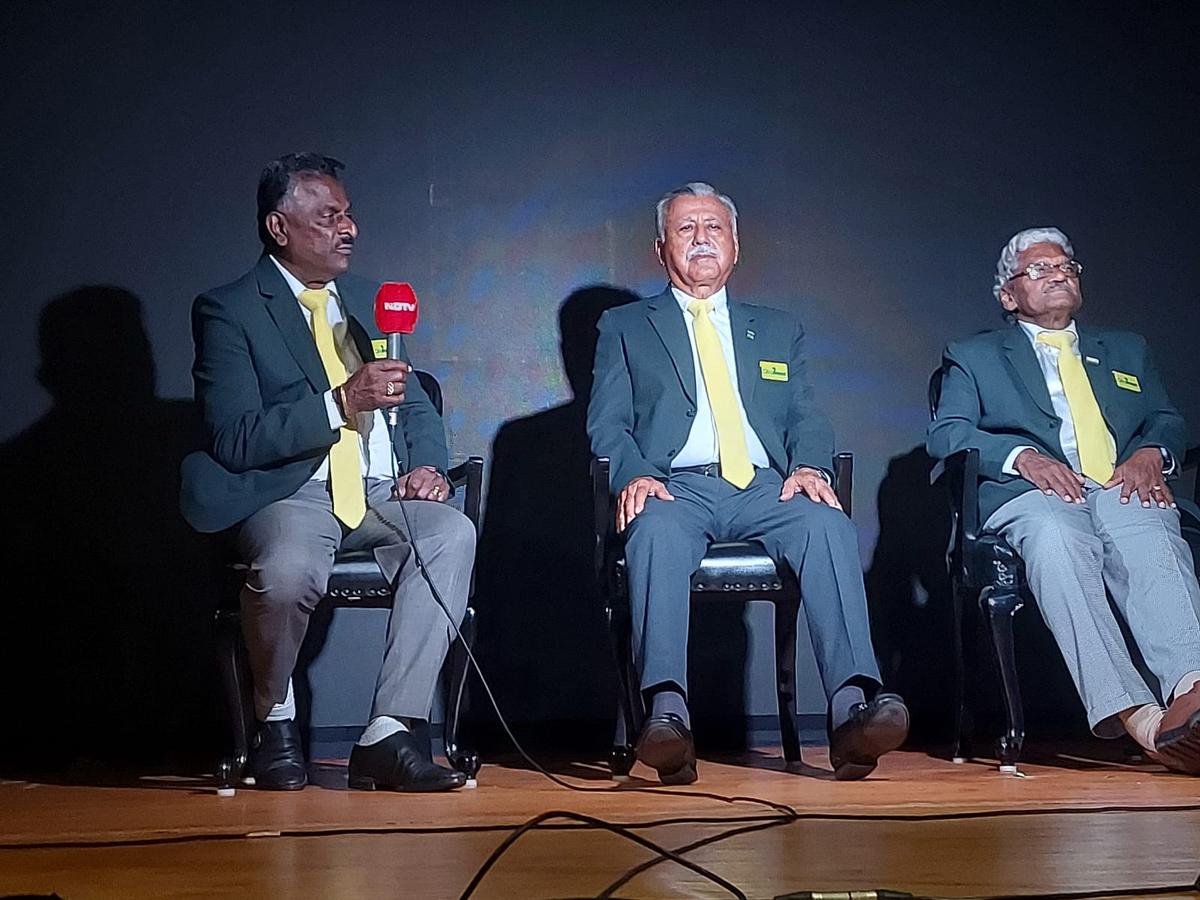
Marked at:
<point>994,398</point>
<point>260,385</point>
<point>643,398</point>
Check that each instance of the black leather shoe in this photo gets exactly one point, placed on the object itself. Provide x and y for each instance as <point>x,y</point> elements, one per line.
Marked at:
<point>873,729</point>
<point>397,764</point>
<point>666,745</point>
<point>276,760</point>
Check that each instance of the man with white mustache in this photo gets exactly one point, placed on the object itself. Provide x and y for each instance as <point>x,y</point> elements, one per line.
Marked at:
<point>1077,439</point>
<point>704,408</point>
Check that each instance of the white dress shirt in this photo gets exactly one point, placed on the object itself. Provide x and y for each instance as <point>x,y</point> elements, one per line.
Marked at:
<point>372,432</point>
<point>700,449</point>
<point>1047,357</point>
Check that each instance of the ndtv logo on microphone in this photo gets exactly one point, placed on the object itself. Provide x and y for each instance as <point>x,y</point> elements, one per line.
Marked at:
<point>399,306</point>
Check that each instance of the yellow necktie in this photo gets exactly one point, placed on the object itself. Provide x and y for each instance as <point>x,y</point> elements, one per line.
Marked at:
<point>1097,450</point>
<point>345,456</point>
<point>731,437</point>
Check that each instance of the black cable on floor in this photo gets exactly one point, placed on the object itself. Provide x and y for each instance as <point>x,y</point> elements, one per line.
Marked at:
<point>630,874</point>
<point>635,825</point>
<point>597,823</point>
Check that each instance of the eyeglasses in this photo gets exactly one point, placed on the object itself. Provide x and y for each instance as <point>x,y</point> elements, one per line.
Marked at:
<point>1071,268</point>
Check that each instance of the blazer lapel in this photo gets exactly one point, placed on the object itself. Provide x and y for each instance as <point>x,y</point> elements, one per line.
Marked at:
<point>741,324</point>
<point>354,327</point>
<point>285,311</point>
<point>1104,387</point>
<point>362,340</point>
<point>666,319</point>
<point>1020,356</point>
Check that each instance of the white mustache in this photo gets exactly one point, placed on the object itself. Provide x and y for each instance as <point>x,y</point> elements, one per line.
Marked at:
<point>701,250</point>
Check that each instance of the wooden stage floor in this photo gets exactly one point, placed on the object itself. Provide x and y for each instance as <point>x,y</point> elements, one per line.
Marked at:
<point>919,824</point>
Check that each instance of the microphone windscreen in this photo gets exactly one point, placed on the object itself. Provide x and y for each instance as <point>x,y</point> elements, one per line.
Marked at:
<point>396,308</point>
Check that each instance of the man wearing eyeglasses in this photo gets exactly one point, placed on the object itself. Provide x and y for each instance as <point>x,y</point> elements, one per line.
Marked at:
<point>1077,440</point>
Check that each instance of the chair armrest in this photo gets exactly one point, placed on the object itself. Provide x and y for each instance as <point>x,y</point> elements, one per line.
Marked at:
<point>843,480</point>
<point>470,474</point>
<point>1192,461</point>
<point>602,513</point>
<point>961,473</point>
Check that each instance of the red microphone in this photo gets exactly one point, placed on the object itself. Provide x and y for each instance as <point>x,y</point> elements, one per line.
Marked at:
<point>396,309</point>
<point>396,313</point>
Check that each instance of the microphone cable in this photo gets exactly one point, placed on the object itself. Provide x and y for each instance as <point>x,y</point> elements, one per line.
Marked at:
<point>783,813</point>
<point>781,809</point>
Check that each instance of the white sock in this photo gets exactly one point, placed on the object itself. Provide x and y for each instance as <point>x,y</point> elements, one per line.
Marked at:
<point>285,711</point>
<point>1142,724</point>
<point>1186,683</point>
<point>379,728</point>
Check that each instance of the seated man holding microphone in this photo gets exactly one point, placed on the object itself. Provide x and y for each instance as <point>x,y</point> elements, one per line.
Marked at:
<point>299,463</point>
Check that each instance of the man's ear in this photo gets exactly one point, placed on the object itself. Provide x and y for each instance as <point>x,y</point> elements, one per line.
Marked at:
<point>277,227</point>
<point>737,251</point>
<point>660,251</point>
<point>1007,300</point>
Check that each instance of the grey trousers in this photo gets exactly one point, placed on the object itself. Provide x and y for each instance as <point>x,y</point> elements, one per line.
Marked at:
<point>666,541</point>
<point>1072,553</point>
<point>289,547</point>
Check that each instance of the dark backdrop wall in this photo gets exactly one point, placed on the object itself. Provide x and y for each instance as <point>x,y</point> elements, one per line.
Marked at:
<point>503,156</point>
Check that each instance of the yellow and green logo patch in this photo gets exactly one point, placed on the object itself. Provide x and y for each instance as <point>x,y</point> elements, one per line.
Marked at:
<point>379,347</point>
<point>1127,381</point>
<point>773,371</point>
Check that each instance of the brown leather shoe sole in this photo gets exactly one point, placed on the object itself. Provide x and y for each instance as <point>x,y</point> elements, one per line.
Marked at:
<point>855,754</point>
<point>667,746</point>
<point>1178,743</point>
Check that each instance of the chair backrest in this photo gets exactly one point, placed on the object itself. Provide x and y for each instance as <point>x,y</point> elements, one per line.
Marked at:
<point>431,387</point>
<point>935,391</point>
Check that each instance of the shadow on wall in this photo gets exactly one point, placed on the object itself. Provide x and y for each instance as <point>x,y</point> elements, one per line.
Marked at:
<point>908,593</point>
<point>106,655</point>
<point>543,641</point>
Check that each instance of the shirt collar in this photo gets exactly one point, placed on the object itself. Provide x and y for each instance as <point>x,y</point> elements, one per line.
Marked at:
<point>1032,330</point>
<point>718,299</point>
<point>295,284</point>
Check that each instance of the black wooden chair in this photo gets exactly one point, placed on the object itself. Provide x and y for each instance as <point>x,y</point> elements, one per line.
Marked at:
<point>987,575</point>
<point>355,582</point>
<point>730,572</point>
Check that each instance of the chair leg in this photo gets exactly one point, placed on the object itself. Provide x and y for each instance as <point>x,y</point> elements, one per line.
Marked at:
<point>629,700</point>
<point>962,716</point>
<point>239,701</point>
<point>786,613</point>
<point>1000,603</point>
<point>462,758</point>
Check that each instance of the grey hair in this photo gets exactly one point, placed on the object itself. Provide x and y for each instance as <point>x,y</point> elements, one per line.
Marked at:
<point>1006,266</point>
<point>691,189</point>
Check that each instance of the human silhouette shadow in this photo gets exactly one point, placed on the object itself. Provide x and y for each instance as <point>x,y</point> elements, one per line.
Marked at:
<point>543,640</point>
<point>106,651</point>
<point>909,594</point>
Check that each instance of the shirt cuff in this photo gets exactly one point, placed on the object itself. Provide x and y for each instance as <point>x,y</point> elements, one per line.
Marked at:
<point>1009,467</point>
<point>336,419</point>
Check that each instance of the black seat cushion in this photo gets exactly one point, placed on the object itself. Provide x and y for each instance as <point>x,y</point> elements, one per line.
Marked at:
<point>738,566</point>
<point>356,579</point>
